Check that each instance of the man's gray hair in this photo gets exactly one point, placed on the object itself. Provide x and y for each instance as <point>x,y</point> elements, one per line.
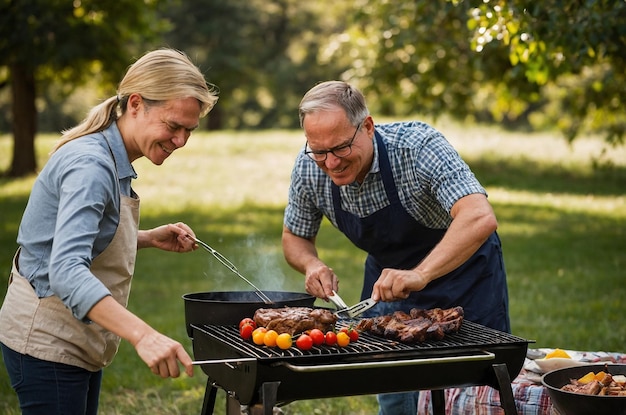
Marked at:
<point>330,95</point>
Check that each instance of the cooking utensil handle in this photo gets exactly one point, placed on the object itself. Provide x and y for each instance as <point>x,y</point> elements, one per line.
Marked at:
<point>338,301</point>
<point>226,262</point>
<point>384,364</point>
<point>223,361</point>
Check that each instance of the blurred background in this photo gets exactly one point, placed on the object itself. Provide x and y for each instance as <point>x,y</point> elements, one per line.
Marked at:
<point>531,93</point>
<point>524,65</point>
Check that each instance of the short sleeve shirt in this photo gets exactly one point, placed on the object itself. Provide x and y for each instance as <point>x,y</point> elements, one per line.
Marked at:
<point>429,174</point>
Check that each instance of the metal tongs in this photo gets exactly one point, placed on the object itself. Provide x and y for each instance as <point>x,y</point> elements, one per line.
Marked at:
<point>350,312</point>
<point>337,301</point>
<point>233,268</point>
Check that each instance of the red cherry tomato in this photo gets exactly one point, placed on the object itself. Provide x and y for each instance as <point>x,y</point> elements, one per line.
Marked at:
<point>247,320</point>
<point>352,333</point>
<point>317,336</point>
<point>246,331</point>
<point>331,338</point>
<point>304,342</point>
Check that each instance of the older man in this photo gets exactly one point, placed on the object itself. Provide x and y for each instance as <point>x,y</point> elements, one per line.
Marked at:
<point>401,193</point>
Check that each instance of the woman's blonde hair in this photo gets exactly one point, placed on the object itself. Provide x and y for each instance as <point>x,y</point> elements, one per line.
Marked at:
<point>157,76</point>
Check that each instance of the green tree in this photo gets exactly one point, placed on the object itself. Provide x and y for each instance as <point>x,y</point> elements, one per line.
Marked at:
<point>517,62</point>
<point>63,43</point>
<point>572,50</point>
<point>263,54</point>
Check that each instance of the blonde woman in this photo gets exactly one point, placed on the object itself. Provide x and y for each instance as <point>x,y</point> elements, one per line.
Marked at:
<point>65,309</point>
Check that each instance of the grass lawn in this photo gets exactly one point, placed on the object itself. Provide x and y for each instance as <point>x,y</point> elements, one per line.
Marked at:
<point>562,220</point>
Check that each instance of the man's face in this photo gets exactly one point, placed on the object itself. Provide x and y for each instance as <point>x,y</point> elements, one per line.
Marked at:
<point>331,130</point>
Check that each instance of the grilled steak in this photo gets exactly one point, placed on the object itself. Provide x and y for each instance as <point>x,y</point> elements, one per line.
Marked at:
<point>295,320</point>
<point>417,326</point>
<point>607,386</point>
<point>591,388</point>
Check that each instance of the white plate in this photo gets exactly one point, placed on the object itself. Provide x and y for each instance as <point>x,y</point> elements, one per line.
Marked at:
<point>554,363</point>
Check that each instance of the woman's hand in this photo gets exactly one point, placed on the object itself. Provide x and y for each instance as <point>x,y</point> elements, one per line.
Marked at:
<point>162,355</point>
<point>177,237</point>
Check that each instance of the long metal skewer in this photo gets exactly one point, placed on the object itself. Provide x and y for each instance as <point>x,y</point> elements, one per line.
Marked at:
<point>233,268</point>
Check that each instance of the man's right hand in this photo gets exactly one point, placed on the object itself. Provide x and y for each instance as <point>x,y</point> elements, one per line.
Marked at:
<point>320,280</point>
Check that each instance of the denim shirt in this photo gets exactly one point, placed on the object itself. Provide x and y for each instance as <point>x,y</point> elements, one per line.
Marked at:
<point>71,217</point>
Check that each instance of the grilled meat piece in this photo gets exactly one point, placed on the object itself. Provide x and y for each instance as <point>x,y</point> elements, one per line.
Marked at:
<point>417,326</point>
<point>607,386</point>
<point>295,320</point>
<point>592,388</point>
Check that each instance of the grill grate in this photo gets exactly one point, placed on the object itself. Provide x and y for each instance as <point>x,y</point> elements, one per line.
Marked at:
<point>470,336</point>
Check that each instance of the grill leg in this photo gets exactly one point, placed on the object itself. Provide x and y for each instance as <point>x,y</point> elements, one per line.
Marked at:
<point>233,407</point>
<point>438,401</point>
<point>269,392</point>
<point>209,399</point>
<point>506,392</point>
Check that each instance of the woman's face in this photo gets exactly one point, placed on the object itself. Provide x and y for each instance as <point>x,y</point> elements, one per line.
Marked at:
<point>330,130</point>
<point>158,130</point>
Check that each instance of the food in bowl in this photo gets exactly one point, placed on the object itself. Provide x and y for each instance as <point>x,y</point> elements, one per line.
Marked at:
<point>571,403</point>
<point>601,383</point>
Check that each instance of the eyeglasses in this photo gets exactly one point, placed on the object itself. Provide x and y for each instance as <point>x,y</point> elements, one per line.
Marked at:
<point>339,151</point>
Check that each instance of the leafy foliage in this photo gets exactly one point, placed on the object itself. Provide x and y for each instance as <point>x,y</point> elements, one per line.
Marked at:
<point>68,42</point>
<point>263,54</point>
<point>516,62</point>
<point>64,43</point>
<point>572,50</point>
<point>519,63</point>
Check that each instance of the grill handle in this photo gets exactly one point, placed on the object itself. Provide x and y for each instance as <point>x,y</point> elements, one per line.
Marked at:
<point>389,363</point>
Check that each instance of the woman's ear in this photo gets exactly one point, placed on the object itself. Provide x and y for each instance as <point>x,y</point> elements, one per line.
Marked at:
<point>135,101</point>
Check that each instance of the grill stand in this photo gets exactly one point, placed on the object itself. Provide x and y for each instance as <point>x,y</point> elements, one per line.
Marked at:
<point>269,391</point>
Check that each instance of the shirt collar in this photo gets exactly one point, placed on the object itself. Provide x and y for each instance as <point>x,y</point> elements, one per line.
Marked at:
<point>114,137</point>
<point>375,164</point>
<point>374,168</point>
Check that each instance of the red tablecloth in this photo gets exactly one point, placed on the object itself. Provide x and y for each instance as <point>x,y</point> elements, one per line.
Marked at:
<point>531,398</point>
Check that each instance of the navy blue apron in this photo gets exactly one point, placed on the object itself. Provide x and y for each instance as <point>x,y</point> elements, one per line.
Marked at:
<point>394,239</point>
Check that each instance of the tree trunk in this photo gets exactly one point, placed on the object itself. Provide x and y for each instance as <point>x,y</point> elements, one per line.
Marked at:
<point>24,120</point>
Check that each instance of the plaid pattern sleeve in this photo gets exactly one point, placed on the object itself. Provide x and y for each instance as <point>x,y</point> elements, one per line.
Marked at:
<point>307,198</point>
<point>429,174</point>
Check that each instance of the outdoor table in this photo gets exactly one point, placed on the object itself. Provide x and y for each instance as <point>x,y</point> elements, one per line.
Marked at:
<point>531,397</point>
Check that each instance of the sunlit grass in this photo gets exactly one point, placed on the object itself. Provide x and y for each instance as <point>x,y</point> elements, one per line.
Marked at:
<point>561,212</point>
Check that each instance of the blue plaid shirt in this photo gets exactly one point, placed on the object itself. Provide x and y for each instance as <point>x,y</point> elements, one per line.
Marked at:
<point>429,174</point>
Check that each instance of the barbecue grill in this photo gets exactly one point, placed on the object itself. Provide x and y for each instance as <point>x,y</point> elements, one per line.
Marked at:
<point>263,377</point>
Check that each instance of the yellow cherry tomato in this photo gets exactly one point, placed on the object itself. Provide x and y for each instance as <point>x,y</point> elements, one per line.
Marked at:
<point>270,338</point>
<point>258,336</point>
<point>343,339</point>
<point>284,341</point>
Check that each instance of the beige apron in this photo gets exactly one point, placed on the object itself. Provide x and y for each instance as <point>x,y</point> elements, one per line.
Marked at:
<point>46,329</point>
